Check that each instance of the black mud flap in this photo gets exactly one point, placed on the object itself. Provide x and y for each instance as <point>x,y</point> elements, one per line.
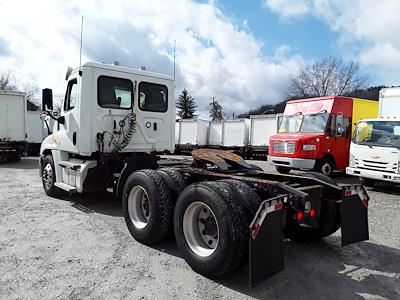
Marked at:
<point>354,214</point>
<point>265,246</point>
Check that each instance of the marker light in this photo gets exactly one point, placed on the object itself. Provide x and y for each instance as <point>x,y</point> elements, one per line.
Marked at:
<point>312,212</point>
<point>299,216</point>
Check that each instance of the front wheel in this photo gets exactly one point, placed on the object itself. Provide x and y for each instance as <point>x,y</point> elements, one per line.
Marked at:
<point>283,170</point>
<point>368,182</point>
<point>49,177</point>
<point>325,166</point>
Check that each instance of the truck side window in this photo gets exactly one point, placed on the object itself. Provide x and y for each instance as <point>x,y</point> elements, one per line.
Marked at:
<point>332,128</point>
<point>153,97</point>
<point>114,92</point>
<point>71,95</point>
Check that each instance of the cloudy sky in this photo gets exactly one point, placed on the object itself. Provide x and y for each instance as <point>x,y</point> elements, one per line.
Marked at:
<point>242,52</point>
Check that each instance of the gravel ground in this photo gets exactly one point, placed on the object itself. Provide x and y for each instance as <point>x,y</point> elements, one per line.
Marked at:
<point>79,247</point>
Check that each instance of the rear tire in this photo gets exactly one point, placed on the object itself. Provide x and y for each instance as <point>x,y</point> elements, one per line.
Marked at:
<point>283,170</point>
<point>329,221</point>
<point>147,206</point>
<point>368,182</point>
<point>198,245</point>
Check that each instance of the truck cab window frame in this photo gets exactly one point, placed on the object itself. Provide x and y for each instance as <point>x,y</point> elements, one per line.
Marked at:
<point>153,97</point>
<point>114,92</point>
<point>71,95</point>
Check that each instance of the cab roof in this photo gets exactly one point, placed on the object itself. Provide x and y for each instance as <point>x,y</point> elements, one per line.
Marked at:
<point>125,70</point>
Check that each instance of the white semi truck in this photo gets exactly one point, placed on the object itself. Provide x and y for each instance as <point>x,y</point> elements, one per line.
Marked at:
<point>12,125</point>
<point>375,147</point>
<point>224,214</point>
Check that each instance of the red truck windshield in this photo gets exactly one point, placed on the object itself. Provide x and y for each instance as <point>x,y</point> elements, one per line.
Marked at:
<point>311,123</point>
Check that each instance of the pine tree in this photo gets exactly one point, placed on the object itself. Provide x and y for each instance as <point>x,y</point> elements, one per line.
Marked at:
<point>215,110</point>
<point>186,105</point>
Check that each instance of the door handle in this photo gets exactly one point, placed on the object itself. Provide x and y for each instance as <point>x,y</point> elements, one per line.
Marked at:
<point>155,126</point>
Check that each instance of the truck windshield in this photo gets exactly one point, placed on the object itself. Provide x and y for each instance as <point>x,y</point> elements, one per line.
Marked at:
<point>378,133</point>
<point>291,124</point>
<point>314,123</point>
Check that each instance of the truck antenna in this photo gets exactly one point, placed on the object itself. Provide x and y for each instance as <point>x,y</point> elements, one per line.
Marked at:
<point>80,49</point>
<point>174,58</point>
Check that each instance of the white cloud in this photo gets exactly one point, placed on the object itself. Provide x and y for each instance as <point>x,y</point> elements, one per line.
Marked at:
<point>215,56</point>
<point>288,8</point>
<point>368,30</point>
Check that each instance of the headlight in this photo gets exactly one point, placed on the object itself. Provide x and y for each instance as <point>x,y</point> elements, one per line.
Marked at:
<point>309,147</point>
<point>352,161</point>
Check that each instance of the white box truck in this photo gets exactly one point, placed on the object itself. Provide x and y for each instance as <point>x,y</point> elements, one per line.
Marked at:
<point>235,135</point>
<point>375,147</point>
<point>262,127</point>
<point>193,133</point>
<point>12,125</point>
<point>36,131</point>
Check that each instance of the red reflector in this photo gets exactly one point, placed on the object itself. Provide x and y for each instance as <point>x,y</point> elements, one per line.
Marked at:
<point>365,202</point>
<point>312,212</point>
<point>348,192</point>
<point>278,206</point>
<point>299,216</point>
<point>255,231</point>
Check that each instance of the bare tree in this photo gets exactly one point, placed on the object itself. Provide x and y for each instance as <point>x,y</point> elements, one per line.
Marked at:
<point>216,110</point>
<point>328,76</point>
<point>8,82</point>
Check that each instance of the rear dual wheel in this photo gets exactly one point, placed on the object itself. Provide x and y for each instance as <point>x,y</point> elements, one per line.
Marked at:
<point>212,227</point>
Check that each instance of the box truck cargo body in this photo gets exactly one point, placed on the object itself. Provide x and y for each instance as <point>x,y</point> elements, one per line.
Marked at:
<point>316,133</point>
<point>215,133</point>
<point>12,124</point>
<point>374,150</point>
<point>193,133</point>
<point>262,127</point>
<point>235,133</point>
<point>36,131</point>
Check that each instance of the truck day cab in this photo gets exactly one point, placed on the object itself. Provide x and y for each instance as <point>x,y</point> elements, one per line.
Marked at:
<point>375,148</point>
<point>223,213</point>
<point>315,133</point>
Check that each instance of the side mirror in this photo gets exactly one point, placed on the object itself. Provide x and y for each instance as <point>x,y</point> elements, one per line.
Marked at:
<point>47,99</point>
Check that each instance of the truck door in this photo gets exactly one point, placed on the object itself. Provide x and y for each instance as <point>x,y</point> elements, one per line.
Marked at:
<point>154,114</point>
<point>341,145</point>
<point>66,136</point>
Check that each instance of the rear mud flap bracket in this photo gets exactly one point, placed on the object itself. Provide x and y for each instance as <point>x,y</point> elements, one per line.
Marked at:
<point>266,235</point>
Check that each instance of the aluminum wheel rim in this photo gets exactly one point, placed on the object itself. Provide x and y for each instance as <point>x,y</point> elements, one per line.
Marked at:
<point>200,228</point>
<point>138,207</point>
<point>47,176</point>
<point>326,169</point>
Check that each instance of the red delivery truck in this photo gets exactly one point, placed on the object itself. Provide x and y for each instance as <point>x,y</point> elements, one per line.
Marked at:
<point>315,133</point>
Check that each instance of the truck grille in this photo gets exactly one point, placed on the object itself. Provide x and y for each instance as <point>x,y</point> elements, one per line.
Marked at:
<point>284,147</point>
<point>376,165</point>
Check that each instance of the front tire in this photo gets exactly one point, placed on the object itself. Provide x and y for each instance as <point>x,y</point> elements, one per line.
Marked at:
<point>368,182</point>
<point>49,177</point>
<point>147,206</point>
<point>211,228</point>
<point>283,170</point>
<point>325,166</point>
